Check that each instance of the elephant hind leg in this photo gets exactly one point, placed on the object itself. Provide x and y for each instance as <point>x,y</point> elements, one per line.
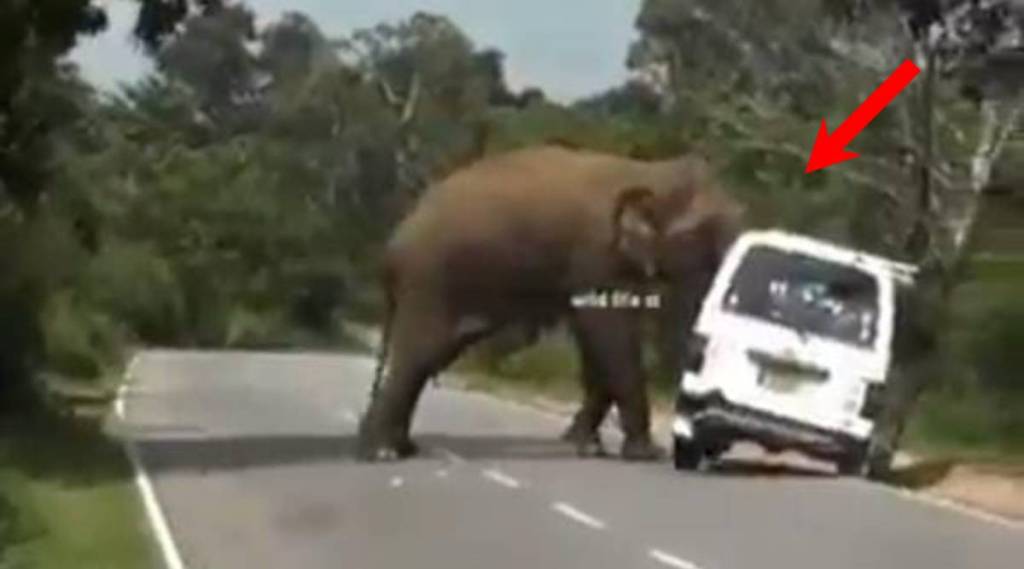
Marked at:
<point>611,341</point>
<point>425,339</point>
<point>421,332</point>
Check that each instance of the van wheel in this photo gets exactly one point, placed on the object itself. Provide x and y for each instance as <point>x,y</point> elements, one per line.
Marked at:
<point>873,463</point>
<point>853,464</point>
<point>879,462</point>
<point>686,454</point>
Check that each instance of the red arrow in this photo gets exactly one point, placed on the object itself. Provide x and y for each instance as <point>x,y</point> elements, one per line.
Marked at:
<point>831,149</point>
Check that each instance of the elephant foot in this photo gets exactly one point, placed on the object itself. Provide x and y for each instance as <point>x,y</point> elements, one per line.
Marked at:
<point>370,450</point>
<point>573,433</point>
<point>406,448</point>
<point>641,449</point>
<point>387,453</point>
<point>587,443</point>
<point>591,448</point>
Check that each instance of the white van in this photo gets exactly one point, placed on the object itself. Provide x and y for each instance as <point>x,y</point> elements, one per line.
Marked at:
<point>791,350</point>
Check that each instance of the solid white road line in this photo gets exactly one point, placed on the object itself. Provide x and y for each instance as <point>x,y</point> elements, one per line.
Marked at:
<point>129,372</point>
<point>577,516</point>
<point>946,504</point>
<point>155,514</point>
<point>671,560</point>
<point>501,478</point>
<point>119,402</point>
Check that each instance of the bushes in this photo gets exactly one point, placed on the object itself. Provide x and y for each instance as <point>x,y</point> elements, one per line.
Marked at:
<point>136,286</point>
<point>248,328</point>
<point>45,258</point>
<point>80,340</point>
<point>997,351</point>
<point>548,362</point>
<point>19,343</point>
<point>968,421</point>
<point>977,403</point>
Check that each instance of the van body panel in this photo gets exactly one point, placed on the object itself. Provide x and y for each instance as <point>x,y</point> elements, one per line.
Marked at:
<point>757,357</point>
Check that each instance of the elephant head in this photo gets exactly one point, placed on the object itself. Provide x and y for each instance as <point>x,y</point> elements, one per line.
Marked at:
<point>670,230</point>
<point>692,246</point>
<point>676,232</point>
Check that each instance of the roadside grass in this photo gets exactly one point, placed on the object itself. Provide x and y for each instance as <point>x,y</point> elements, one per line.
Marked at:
<point>67,498</point>
<point>967,428</point>
<point>547,369</point>
<point>544,373</point>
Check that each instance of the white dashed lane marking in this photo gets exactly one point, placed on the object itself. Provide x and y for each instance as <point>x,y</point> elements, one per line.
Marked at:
<point>397,482</point>
<point>671,560</point>
<point>501,478</point>
<point>575,515</point>
<point>451,456</point>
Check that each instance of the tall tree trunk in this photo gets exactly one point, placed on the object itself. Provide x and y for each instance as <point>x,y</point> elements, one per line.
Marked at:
<point>995,129</point>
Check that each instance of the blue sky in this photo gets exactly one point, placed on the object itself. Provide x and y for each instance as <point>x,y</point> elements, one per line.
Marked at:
<point>569,48</point>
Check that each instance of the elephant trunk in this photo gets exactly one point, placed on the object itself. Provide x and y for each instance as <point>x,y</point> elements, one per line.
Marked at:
<point>680,306</point>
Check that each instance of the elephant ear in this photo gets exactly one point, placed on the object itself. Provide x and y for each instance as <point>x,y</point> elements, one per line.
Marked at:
<point>635,233</point>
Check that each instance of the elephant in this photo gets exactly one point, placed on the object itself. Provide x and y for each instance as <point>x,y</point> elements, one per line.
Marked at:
<point>510,240</point>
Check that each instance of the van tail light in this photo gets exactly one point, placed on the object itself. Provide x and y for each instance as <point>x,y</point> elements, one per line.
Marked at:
<point>694,357</point>
<point>874,401</point>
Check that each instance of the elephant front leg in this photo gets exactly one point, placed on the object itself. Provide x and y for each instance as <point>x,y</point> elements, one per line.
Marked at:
<point>585,430</point>
<point>610,347</point>
<point>634,413</point>
<point>383,430</point>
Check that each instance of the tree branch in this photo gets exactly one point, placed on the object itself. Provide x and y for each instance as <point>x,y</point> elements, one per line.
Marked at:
<point>411,100</point>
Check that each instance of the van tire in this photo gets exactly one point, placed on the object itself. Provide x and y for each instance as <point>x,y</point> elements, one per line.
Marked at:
<point>871,462</point>
<point>853,464</point>
<point>686,454</point>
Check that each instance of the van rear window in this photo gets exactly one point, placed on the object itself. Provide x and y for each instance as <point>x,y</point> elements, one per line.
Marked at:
<point>807,294</point>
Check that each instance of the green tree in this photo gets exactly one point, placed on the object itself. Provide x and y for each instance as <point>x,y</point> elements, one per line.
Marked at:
<point>38,96</point>
<point>755,81</point>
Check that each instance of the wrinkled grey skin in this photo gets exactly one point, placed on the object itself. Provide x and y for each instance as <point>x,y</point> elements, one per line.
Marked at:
<point>508,241</point>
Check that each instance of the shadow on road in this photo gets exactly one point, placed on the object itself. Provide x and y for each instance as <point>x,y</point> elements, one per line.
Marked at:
<point>754,468</point>
<point>244,452</point>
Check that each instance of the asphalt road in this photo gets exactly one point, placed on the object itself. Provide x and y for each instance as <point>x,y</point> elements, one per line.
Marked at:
<point>250,457</point>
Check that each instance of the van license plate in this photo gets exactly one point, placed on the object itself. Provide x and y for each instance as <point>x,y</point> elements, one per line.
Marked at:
<point>782,381</point>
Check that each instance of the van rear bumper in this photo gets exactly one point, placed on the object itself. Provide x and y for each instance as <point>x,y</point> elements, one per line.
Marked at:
<point>717,422</point>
